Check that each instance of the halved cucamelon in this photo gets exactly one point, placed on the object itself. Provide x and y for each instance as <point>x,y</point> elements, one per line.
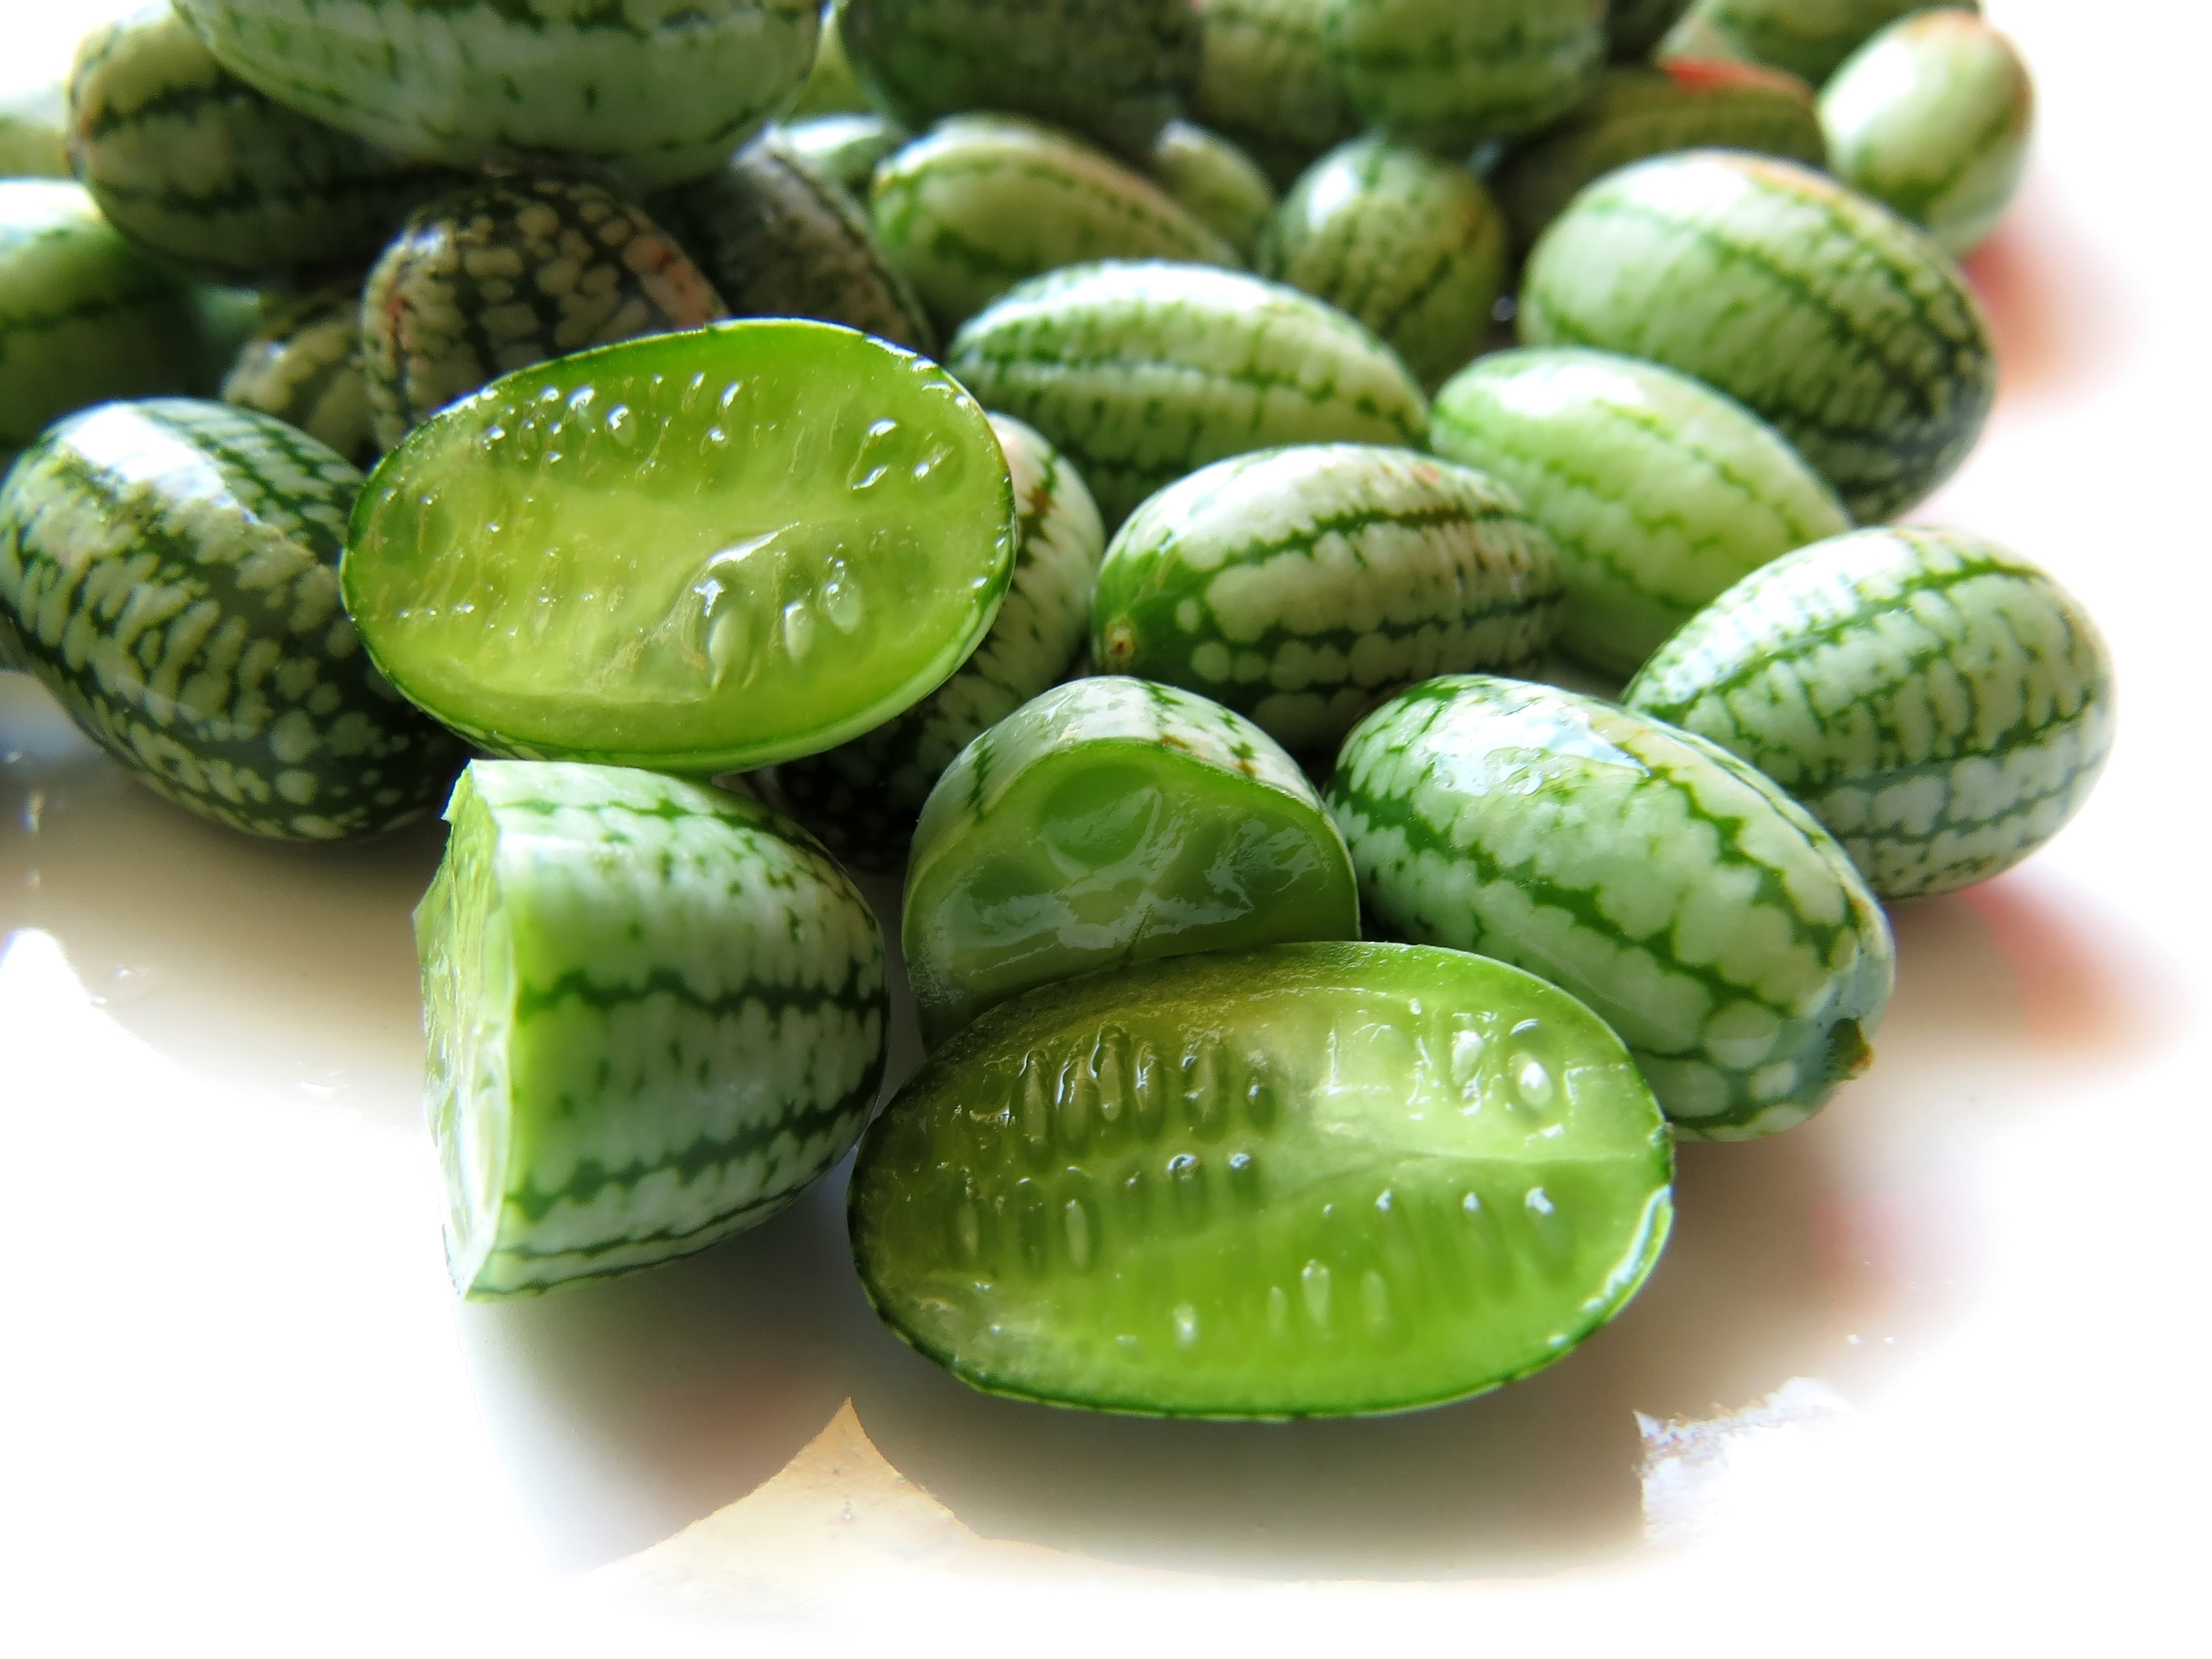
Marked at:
<point>1303,1181</point>
<point>656,1012</point>
<point>695,552</point>
<point>1112,820</point>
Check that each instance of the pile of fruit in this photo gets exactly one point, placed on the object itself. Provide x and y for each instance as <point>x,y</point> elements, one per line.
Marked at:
<point>1064,450</point>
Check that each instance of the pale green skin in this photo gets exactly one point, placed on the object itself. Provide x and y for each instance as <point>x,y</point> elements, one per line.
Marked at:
<point>32,121</point>
<point>1267,82</point>
<point>1300,586</point>
<point>1810,37</point>
<point>981,202</point>
<point>657,93</point>
<point>304,367</point>
<point>1448,76</point>
<point>1220,186</point>
<point>655,1014</point>
<point>1941,705</point>
<point>844,148</point>
<point>1410,245</point>
<point>1112,820</point>
<point>1933,116</point>
<point>1658,491</point>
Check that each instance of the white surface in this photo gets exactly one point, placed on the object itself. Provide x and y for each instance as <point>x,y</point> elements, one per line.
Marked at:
<point>1929,1371</point>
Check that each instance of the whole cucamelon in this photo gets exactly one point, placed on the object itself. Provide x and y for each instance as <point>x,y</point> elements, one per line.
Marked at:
<point>1658,491</point>
<point>1300,587</point>
<point>657,93</point>
<point>981,202</point>
<point>510,272</point>
<point>170,568</point>
<point>1144,371</point>
<point>1410,245</point>
<point>1267,85</point>
<point>775,238</point>
<point>1114,71</point>
<point>862,798</point>
<point>1823,311</point>
<point>1693,905</point>
<point>655,1013</point>
<point>1450,75</point>
<point>303,365</point>
<point>1932,116</point>
<point>1809,38</point>
<point>1221,187</point>
<point>1941,705</point>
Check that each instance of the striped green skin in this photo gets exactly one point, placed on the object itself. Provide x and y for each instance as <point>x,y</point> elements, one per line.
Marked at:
<point>1658,491</point>
<point>193,164</point>
<point>655,93</point>
<point>830,88</point>
<point>1215,181</point>
<point>1633,27</point>
<point>1448,76</point>
<point>84,316</point>
<point>1111,820</point>
<point>656,1013</point>
<point>1824,312</point>
<point>844,148</point>
<point>1144,371</point>
<point>863,797</point>
<point>1267,85</point>
<point>1410,245</point>
<point>171,567</point>
<point>1943,706</point>
<point>303,365</point>
<point>1114,71</point>
<point>1700,911</point>
<point>1305,1181</point>
<point>981,202</point>
<point>1933,116</point>
<point>1810,37</point>
<point>1636,112</point>
<point>777,239</point>
<point>33,120</point>
<point>1300,586</point>
<point>510,272</point>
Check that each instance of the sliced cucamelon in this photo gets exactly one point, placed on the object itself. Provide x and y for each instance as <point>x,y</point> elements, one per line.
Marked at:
<point>1825,312</point>
<point>1266,84</point>
<point>696,552</point>
<point>1658,492</point>
<point>844,148</point>
<point>1809,38</point>
<point>303,365</point>
<point>1448,76</point>
<point>1215,181</point>
<point>1941,705</point>
<point>1112,820</point>
<point>1301,1180</point>
<point>170,568</point>
<point>1300,586</point>
<point>655,1011</point>
<point>1699,910</point>
<point>1144,371</point>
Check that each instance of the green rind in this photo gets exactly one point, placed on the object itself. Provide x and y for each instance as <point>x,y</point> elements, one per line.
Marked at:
<point>303,365</point>
<point>1300,586</point>
<point>656,1013</point>
<point>1700,911</point>
<point>1810,37</point>
<point>171,567</point>
<point>1266,82</point>
<point>1658,491</point>
<point>1142,373</point>
<point>1448,76</point>
<point>1216,182</point>
<point>1943,706</point>
<point>1824,312</point>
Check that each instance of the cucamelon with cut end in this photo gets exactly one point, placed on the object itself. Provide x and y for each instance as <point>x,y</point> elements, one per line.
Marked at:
<point>1943,706</point>
<point>1810,37</point>
<point>1448,76</point>
<point>1144,371</point>
<point>1301,1180</point>
<point>170,568</point>
<point>1300,586</point>
<point>1658,491</point>
<point>656,1013</point>
<point>1218,183</point>
<point>1823,311</point>
<point>1112,820</point>
<point>303,365</point>
<point>1686,898</point>
<point>1267,85</point>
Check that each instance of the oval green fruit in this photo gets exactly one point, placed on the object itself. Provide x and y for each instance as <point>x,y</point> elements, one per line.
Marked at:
<point>1821,311</point>
<point>1448,76</point>
<point>697,552</point>
<point>1810,37</point>
<point>1941,705</point>
<point>1112,820</point>
<point>303,365</point>
<point>1695,906</point>
<point>844,148</point>
<point>1221,187</point>
<point>1267,85</point>
<point>1300,587</point>
<point>1304,1181</point>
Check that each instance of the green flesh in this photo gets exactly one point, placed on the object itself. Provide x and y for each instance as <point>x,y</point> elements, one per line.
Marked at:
<point>1112,820</point>
<point>655,1013</point>
<point>1308,1180</point>
<point>698,552</point>
<point>1447,75</point>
